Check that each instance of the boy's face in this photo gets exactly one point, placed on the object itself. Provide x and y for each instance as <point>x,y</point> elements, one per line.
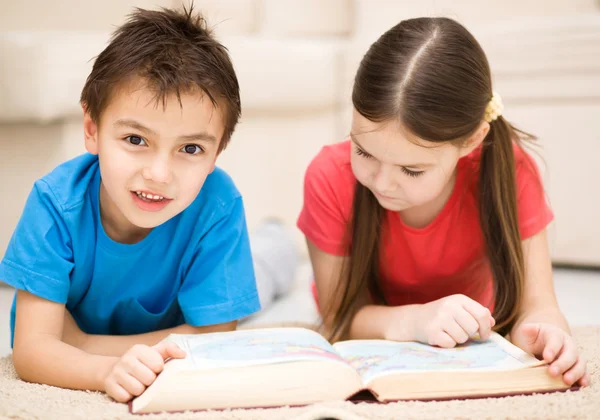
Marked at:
<point>153,159</point>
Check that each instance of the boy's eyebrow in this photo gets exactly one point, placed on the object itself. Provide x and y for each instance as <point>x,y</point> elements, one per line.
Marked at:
<point>414,166</point>
<point>203,136</point>
<point>129,123</point>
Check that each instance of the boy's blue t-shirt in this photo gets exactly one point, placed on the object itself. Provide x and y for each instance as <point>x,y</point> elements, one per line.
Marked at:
<point>196,268</point>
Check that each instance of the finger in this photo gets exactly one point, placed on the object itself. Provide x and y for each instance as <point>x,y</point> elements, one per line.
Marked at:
<point>553,344</point>
<point>585,381</point>
<point>142,373</point>
<point>482,315</point>
<point>455,331</point>
<point>565,360</point>
<point>117,392</point>
<point>131,384</point>
<point>442,339</point>
<point>467,322</point>
<point>532,338</point>
<point>576,373</point>
<point>169,349</point>
<point>152,359</point>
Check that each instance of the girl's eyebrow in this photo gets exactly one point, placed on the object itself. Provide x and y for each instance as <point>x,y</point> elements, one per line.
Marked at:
<point>413,166</point>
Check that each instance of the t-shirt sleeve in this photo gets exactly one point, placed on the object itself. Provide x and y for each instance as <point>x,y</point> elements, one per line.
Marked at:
<point>322,217</point>
<point>533,208</point>
<point>39,256</point>
<point>219,285</point>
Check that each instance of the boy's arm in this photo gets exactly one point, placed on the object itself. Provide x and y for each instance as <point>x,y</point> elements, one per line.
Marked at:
<point>117,345</point>
<point>40,356</point>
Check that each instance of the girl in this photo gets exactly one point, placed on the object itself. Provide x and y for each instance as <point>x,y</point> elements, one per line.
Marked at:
<point>429,223</point>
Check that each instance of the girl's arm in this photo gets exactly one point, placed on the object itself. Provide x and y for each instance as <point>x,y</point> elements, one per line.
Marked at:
<point>541,328</point>
<point>539,302</point>
<point>371,321</point>
<point>444,322</point>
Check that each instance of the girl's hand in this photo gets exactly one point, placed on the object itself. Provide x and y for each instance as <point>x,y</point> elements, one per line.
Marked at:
<point>452,320</point>
<point>557,348</point>
<point>138,368</point>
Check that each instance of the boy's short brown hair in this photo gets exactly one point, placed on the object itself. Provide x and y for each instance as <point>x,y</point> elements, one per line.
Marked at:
<point>173,52</point>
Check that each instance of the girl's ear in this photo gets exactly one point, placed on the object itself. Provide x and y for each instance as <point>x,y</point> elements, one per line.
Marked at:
<point>475,139</point>
<point>90,132</point>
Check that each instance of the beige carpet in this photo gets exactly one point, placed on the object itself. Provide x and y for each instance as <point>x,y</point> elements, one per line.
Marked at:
<point>20,400</point>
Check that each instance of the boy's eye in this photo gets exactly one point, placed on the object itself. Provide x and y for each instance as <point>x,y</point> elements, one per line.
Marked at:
<point>136,140</point>
<point>192,149</point>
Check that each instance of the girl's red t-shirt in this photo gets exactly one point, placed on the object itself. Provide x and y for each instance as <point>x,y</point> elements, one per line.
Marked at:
<point>420,265</point>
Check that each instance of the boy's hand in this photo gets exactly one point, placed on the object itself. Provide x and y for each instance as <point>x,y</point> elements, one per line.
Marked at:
<point>557,348</point>
<point>452,320</point>
<point>138,368</point>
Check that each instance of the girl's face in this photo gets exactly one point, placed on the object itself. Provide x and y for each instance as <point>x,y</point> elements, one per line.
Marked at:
<point>403,171</point>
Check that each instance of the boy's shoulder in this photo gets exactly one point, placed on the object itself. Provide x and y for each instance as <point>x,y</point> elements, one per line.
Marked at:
<point>69,182</point>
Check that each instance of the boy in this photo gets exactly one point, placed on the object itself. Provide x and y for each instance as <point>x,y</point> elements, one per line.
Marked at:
<point>142,237</point>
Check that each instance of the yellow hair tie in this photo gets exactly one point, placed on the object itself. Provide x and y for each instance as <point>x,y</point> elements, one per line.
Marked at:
<point>494,108</point>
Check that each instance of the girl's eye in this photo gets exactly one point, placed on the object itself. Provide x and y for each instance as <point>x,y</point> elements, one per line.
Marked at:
<point>192,149</point>
<point>408,172</point>
<point>361,152</point>
<point>135,140</point>
<point>412,173</point>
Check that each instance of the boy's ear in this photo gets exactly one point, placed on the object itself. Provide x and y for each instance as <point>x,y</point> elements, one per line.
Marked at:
<point>90,132</point>
<point>214,163</point>
<point>475,140</point>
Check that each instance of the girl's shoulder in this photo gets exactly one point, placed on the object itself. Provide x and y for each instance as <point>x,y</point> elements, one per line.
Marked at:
<point>329,179</point>
<point>332,165</point>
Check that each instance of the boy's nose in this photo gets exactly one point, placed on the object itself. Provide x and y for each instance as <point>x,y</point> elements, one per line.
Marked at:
<point>158,171</point>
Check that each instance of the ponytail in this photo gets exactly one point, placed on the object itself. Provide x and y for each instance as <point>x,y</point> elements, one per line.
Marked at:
<point>499,221</point>
<point>360,274</point>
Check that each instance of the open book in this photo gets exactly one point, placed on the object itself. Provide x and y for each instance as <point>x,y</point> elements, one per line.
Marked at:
<point>296,366</point>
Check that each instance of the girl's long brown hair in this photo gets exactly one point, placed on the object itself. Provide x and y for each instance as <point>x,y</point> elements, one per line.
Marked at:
<point>433,76</point>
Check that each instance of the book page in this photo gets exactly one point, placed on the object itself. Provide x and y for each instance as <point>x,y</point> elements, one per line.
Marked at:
<point>254,347</point>
<point>374,358</point>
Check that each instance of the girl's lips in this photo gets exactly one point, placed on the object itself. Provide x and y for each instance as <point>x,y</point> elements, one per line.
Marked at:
<point>383,196</point>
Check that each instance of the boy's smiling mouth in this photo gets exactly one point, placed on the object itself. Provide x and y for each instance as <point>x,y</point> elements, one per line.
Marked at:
<point>150,197</point>
<point>149,201</point>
